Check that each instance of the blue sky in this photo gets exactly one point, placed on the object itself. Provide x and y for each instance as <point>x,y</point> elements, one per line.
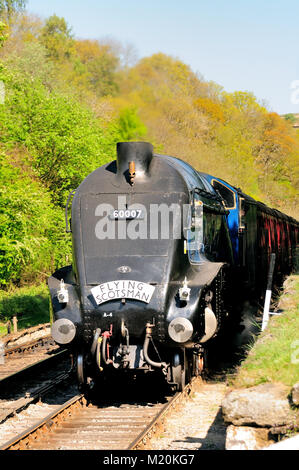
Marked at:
<point>241,44</point>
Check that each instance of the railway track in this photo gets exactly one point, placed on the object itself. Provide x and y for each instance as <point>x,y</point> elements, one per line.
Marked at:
<point>22,357</point>
<point>46,341</point>
<point>88,425</point>
<point>27,336</point>
<point>25,350</point>
<point>28,385</point>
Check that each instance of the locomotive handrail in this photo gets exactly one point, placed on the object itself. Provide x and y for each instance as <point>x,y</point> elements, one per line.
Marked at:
<point>207,194</point>
<point>212,197</point>
<point>66,211</point>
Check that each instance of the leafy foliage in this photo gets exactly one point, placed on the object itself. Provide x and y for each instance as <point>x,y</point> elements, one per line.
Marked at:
<point>8,7</point>
<point>56,36</point>
<point>94,67</point>
<point>65,140</point>
<point>3,33</point>
<point>29,303</point>
<point>290,117</point>
<point>30,227</point>
<point>130,125</point>
<point>230,135</point>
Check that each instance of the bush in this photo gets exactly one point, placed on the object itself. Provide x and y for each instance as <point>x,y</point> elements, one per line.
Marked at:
<point>32,238</point>
<point>29,304</point>
<point>64,139</point>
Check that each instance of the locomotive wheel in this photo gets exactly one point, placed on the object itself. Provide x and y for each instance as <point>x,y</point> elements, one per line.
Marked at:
<point>178,369</point>
<point>80,371</point>
<point>199,363</point>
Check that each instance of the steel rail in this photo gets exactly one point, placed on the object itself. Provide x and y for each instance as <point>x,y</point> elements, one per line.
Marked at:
<point>35,396</point>
<point>158,420</point>
<point>25,346</point>
<point>36,366</point>
<point>22,440</point>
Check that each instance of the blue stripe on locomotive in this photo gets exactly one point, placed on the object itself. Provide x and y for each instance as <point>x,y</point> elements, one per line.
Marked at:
<point>232,218</point>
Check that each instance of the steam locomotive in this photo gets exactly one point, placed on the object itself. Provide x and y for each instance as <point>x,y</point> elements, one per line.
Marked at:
<point>158,251</point>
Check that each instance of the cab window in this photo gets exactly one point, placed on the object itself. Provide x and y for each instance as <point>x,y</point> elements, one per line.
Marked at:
<point>226,193</point>
<point>195,232</point>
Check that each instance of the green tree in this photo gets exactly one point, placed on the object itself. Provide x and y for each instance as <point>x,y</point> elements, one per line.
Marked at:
<point>230,135</point>
<point>3,33</point>
<point>9,7</point>
<point>32,239</point>
<point>57,38</point>
<point>95,67</point>
<point>130,125</point>
<point>64,139</point>
<point>290,117</point>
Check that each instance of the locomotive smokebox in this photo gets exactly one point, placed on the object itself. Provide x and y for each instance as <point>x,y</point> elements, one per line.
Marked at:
<point>136,155</point>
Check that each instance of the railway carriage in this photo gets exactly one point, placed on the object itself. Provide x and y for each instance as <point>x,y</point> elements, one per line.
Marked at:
<point>157,250</point>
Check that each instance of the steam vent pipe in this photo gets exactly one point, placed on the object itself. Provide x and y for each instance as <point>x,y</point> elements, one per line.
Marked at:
<point>141,153</point>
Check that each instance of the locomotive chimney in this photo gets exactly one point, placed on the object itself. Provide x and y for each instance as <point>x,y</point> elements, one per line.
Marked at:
<point>132,172</point>
<point>134,159</point>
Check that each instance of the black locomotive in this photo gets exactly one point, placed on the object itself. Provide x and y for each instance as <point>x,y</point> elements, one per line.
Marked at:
<point>157,249</point>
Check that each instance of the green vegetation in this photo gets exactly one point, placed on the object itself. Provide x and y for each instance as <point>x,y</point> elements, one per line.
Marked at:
<point>32,238</point>
<point>290,117</point>
<point>9,7</point>
<point>30,304</point>
<point>69,101</point>
<point>227,134</point>
<point>275,355</point>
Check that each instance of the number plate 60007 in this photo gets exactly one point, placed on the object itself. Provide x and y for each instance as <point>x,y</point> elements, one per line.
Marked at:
<point>125,214</point>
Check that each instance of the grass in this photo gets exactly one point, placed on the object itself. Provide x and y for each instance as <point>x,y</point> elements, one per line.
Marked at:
<point>30,304</point>
<point>275,355</point>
